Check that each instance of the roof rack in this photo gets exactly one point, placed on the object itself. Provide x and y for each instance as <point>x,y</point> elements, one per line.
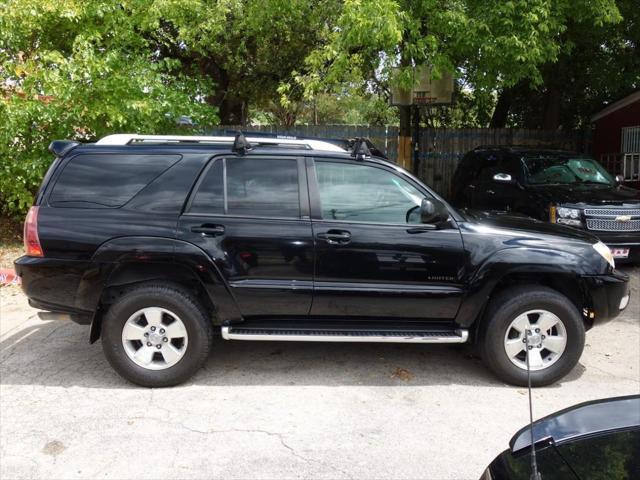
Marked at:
<point>344,143</point>
<point>360,149</point>
<point>135,139</point>
<point>241,145</point>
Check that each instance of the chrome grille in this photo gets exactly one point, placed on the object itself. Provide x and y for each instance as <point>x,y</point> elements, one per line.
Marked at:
<point>611,212</point>
<point>611,225</point>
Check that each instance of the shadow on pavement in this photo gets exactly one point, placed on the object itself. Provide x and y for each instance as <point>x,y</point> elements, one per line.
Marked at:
<point>58,354</point>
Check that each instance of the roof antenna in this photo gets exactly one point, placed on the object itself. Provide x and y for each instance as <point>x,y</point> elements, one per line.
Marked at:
<point>361,149</point>
<point>535,475</point>
<point>240,144</point>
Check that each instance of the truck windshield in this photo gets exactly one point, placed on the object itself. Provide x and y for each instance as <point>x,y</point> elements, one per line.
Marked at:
<point>545,170</point>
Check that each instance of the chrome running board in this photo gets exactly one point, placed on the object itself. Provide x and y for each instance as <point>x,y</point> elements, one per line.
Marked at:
<point>369,336</point>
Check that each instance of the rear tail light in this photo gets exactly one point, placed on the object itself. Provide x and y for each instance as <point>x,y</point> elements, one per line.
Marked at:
<point>32,245</point>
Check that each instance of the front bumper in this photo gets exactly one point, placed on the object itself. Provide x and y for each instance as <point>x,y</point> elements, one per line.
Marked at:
<point>613,240</point>
<point>609,295</point>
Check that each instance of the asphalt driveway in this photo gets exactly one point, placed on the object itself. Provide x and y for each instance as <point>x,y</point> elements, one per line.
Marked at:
<point>277,410</point>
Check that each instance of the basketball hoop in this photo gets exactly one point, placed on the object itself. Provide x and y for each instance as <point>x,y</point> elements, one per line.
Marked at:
<point>424,96</point>
<point>425,91</point>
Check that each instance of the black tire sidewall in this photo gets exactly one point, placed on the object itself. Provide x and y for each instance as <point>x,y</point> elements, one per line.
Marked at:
<point>172,299</point>
<point>512,304</point>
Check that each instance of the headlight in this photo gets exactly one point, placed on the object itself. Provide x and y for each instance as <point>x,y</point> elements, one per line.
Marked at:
<point>605,253</point>
<point>567,216</point>
<point>564,212</point>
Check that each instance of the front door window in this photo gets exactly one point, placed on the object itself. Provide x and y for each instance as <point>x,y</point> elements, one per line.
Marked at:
<point>362,193</point>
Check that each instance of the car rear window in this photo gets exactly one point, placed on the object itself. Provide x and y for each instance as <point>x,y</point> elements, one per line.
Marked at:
<point>106,180</point>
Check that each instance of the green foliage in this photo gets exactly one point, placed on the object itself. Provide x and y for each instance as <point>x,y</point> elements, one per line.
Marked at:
<point>346,108</point>
<point>597,64</point>
<point>249,48</point>
<point>80,71</point>
<point>489,43</point>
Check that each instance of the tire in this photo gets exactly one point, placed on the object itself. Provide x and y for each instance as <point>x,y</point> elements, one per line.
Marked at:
<point>532,305</point>
<point>157,359</point>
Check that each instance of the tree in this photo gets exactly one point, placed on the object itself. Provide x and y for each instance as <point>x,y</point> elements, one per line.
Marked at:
<point>350,107</point>
<point>597,64</point>
<point>490,44</point>
<point>81,70</point>
<point>247,48</point>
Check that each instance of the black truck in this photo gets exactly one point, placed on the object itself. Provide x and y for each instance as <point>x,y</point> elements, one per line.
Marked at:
<point>556,186</point>
<point>161,242</point>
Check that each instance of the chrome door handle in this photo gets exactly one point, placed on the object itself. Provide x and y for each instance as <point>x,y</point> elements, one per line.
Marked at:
<point>209,230</point>
<point>335,237</point>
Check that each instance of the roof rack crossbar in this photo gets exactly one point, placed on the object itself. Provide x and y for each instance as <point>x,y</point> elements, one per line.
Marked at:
<point>133,139</point>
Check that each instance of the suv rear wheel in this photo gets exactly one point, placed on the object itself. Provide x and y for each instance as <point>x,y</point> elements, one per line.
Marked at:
<point>156,335</point>
<point>554,328</point>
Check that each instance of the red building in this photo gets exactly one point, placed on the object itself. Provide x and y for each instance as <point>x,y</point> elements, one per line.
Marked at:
<point>616,138</point>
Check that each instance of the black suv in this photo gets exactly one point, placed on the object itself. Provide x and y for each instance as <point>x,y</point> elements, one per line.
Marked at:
<point>552,185</point>
<point>161,242</point>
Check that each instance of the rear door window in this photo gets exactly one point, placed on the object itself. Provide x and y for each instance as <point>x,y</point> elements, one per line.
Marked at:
<point>106,180</point>
<point>255,187</point>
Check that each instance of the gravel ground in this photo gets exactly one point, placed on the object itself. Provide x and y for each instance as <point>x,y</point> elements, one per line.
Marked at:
<point>277,410</point>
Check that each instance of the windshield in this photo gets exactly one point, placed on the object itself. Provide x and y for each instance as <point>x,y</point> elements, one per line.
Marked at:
<point>545,170</point>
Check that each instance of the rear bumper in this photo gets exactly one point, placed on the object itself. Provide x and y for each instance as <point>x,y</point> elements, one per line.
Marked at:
<point>57,286</point>
<point>609,294</point>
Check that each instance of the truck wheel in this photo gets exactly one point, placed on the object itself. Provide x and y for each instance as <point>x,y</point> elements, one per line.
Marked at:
<point>156,335</point>
<point>555,332</point>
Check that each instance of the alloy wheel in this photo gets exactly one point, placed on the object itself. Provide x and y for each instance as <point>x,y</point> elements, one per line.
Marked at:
<point>547,338</point>
<point>154,338</point>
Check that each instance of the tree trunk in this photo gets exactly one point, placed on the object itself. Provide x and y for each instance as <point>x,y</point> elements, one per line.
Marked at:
<point>501,112</point>
<point>230,108</point>
<point>551,119</point>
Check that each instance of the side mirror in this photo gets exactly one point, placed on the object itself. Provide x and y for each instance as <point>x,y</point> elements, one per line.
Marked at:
<point>503,178</point>
<point>619,179</point>
<point>433,211</point>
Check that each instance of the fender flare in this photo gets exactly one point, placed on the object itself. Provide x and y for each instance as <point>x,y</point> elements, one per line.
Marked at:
<point>516,261</point>
<point>126,260</point>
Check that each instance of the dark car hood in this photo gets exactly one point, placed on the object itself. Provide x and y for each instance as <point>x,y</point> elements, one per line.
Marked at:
<point>586,194</point>
<point>586,418</point>
<point>522,223</point>
<point>565,445</point>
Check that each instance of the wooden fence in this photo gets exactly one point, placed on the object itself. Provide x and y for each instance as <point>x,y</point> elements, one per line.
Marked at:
<point>439,150</point>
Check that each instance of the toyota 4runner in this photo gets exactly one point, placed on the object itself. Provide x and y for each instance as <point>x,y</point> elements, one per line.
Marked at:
<point>160,242</point>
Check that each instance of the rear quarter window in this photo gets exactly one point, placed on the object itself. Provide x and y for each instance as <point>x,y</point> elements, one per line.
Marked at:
<point>106,180</point>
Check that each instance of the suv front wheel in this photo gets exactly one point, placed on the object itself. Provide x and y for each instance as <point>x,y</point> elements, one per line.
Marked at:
<point>548,320</point>
<point>156,335</point>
